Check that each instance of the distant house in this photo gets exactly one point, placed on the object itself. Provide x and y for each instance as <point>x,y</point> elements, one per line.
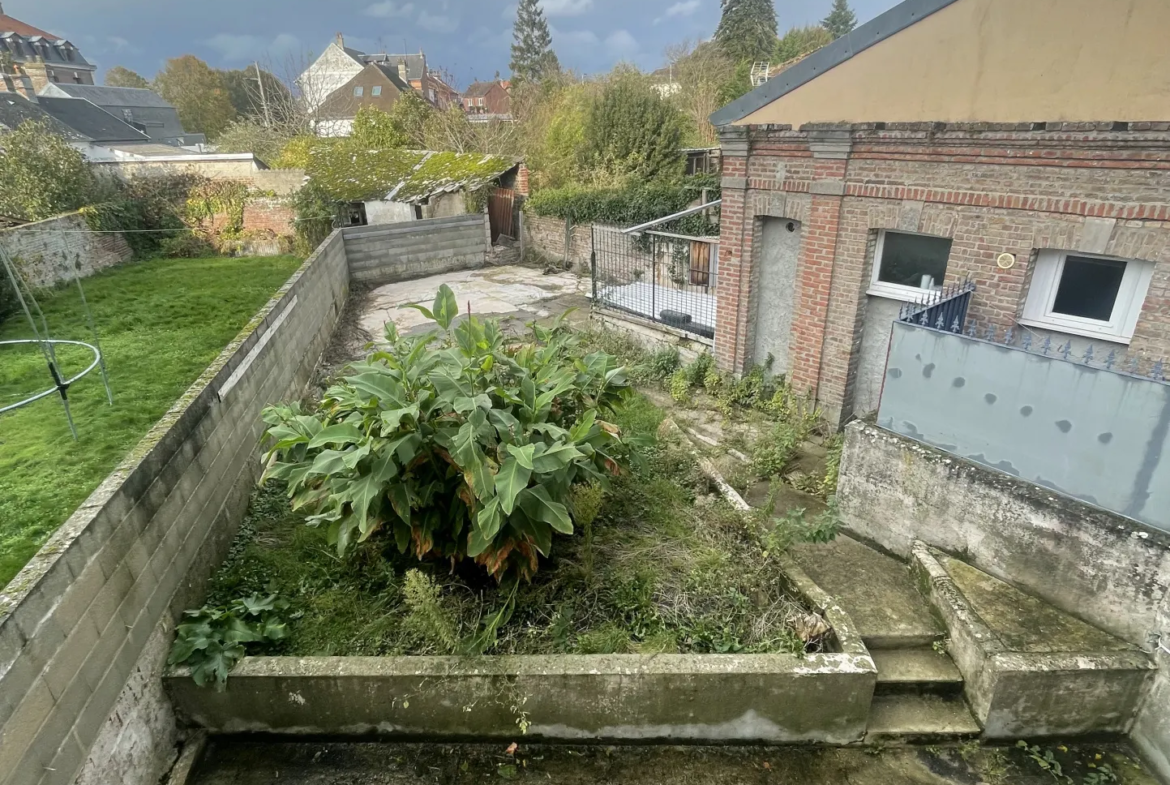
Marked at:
<point>338,64</point>
<point>377,85</point>
<point>665,81</point>
<point>487,98</point>
<point>144,109</point>
<point>87,128</point>
<point>44,57</point>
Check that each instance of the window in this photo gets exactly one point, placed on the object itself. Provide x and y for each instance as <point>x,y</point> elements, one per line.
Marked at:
<point>1084,294</point>
<point>481,102</point>
<point>376,90</point>
<point>905,264</point>
<point>357,91</point>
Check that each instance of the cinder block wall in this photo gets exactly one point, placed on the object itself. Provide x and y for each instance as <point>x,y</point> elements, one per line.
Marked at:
<point>85,626</point>
<point>414,249</point>
<point>51,251</point>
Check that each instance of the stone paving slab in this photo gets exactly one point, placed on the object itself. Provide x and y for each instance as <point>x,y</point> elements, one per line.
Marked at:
<point>876,591</point>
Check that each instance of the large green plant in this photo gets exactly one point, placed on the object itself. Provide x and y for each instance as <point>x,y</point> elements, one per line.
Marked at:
<point>457,443</point>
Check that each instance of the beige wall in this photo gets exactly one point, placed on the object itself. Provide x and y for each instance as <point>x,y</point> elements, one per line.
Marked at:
<point>1000,61</point>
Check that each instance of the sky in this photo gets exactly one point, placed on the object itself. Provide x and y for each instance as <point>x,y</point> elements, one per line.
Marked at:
<point>470,39</point>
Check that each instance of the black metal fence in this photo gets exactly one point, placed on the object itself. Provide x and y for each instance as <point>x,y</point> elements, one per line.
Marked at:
<point>669,279</point>
<point>944,309</point>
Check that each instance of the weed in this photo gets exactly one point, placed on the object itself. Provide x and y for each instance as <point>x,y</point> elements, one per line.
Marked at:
<point>680,386</point>
<point>712,381</point>
<point>697,371</point>
<point>425,615</point>
<point>608,639</point>
<point>1103,775</point>
<point>1046,760</point>
<point>773,452</point>
<point>832,466</point>
<point>213,639</point>
<point>940,646</point>
<point>662,363</point>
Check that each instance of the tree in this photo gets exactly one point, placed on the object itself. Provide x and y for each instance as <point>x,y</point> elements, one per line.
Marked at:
<point>251,135</point>
<point>410,115</point>
<point>262,97</point>
<point>747,30</point>
<point>632,131</point>
<point>198,92</point>
<point>532,56</point>
<point>701,71</point>
<point>41,174</point>
<point>374,129</point>
<point>841,20</point>
<point>124,77</point>
<point>800,41</point>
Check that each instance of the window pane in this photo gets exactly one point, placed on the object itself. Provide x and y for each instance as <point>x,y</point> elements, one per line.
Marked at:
<point>1088,288</point>
<point>914,260</point>
<point>357,91</point>
<point>376,90</point>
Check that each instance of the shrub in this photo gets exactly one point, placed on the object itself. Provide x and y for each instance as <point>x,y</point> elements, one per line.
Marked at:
<point>465,449</point>
<point>680,385</point>
<point>186,245</point>
<point>213,640</point>
<point>662,363</point>
<point>631,205</point>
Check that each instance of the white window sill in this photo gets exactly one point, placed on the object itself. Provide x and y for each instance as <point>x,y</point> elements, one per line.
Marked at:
<point>901,294</point>
<point>1080,332</point>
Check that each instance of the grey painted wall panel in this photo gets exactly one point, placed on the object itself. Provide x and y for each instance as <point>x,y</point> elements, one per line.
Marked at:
<point>880,315</point>
<point>1095,435</point>
<point>779,251</point>
<point>386,254</point>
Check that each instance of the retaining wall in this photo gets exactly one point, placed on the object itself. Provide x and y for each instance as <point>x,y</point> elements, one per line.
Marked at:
<point>546,236</point>
<point>55,250</point>
<point>85,626</point>
<point>398,252</point>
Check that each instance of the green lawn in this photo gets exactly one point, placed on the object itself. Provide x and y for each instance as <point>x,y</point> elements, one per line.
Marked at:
<point>162,322</point>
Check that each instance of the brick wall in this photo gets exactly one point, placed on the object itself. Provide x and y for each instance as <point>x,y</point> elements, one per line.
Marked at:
<point>84,626</point>
<point>415,249</point>
<point>262,214</point>
<point>992,189</point>
<point>546,236</point>
<point>49,252</point>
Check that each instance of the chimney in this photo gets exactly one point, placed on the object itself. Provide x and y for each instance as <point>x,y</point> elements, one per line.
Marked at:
<point>38,73</point>
<point>402,73</point>
<point>341,40</point>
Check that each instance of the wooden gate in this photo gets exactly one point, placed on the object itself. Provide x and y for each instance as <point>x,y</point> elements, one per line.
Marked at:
<point>501,207</point>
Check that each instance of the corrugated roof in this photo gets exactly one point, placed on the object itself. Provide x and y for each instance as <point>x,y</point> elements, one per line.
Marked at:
<point>16,109</point>
<point>129,97</point>
<point>873,32</point>
<point>91,120</point>
<point>349,174</point>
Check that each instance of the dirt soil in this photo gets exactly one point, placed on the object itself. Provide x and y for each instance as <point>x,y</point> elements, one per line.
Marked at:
<point>229,761</point>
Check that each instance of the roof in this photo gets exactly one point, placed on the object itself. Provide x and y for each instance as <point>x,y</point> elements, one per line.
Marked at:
<point>90,120</point>
<point>149,149</point>
<point>10,25</point>
<point>479,89</point>
<point>873,32</point>
<point>129,97</point>
<point>392,74</point>
<point>349,174</point>
<point>16,109</point>
<point>416,65</point>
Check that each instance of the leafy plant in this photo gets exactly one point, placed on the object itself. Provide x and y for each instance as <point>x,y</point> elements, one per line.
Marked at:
<point>1045,759</point>
<point>832,466</point>
<point>662,363</point>
<point>426,615</point>
<point>456,443</point>
<point>1103,775</point>
<point>214,639</point>
<point>680,385</point>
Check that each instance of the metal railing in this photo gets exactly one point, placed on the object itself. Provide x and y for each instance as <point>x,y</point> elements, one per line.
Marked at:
<point>666,278</point>
<point>943,309</point>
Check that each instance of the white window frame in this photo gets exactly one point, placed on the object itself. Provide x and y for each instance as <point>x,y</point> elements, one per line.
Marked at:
<point>358,91</point>
<point>375,91</point>
<point>897,291</point>
<point>1127,309</point>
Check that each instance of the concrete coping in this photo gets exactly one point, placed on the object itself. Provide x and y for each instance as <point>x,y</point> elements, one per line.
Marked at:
<point>32,594</point>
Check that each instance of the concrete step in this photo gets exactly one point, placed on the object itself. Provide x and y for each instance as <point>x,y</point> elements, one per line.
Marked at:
<point>916,671</point>
<point>919,718</point>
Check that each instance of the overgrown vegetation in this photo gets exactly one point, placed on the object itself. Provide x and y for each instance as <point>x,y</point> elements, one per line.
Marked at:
<point>632,205</point>
<point>456,444</point>
<point>211,640</point>
<point>664,565</point>
<point>162,322</point>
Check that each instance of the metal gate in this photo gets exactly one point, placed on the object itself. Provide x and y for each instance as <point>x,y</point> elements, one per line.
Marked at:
<point>667,278</point>
<point>501,213</point>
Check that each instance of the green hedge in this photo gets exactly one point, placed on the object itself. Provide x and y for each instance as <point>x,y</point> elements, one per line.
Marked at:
<point>628,206</point>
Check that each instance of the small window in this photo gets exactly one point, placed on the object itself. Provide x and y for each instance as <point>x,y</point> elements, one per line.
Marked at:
<point>376,90</point>
<point>358,91</point>
<point>1083,294</point>
<point>905,265</point>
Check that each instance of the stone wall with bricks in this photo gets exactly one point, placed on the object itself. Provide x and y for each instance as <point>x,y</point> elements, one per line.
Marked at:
<point>55,250</point>
<point>992,189</point>
<point>85,626</point>
<point>546,237</point>
<point>414,249</point>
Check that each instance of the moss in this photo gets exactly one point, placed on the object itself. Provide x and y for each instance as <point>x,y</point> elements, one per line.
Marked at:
<point>350,174</point>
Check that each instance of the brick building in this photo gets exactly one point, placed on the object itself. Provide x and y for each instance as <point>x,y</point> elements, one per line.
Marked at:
<point>377,85</point>
<point>487,98</point>
<point>946,140</point>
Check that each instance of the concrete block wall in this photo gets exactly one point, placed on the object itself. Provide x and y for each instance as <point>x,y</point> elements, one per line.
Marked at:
<point>51,251</point>
<point>399,252</point>
<point>85,626</point>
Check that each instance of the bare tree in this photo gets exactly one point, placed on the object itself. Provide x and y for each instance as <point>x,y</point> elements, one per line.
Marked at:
<point>700,69</point>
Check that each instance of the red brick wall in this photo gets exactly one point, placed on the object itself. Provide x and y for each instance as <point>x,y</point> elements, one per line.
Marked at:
<point>273,215</point>
<point>992,189</point>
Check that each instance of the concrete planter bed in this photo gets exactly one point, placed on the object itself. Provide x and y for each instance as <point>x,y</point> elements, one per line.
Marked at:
<point>776,698</point>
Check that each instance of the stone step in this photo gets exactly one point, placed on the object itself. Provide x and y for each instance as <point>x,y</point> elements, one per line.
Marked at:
<point>919,718</point>
<point>903,671</point>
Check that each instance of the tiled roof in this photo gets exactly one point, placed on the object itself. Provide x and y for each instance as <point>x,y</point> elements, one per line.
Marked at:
<point>479,89</point>
<point>10,25</point>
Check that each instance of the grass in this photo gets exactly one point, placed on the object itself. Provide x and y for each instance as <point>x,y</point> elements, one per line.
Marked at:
<point>162,322</point>
<point>667,566</point>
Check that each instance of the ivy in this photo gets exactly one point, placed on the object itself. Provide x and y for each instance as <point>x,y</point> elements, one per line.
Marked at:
<point>210,198</point>
<point>630,206</point>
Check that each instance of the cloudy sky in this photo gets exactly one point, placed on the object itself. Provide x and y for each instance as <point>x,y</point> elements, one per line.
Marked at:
<point>469,38</point>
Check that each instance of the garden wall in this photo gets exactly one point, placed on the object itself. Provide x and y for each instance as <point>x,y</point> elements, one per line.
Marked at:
<point>1111,571</point>
<point>546,236</point>
<point>85,626</point>
<point>51,251</point>
<point>399,252</point>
